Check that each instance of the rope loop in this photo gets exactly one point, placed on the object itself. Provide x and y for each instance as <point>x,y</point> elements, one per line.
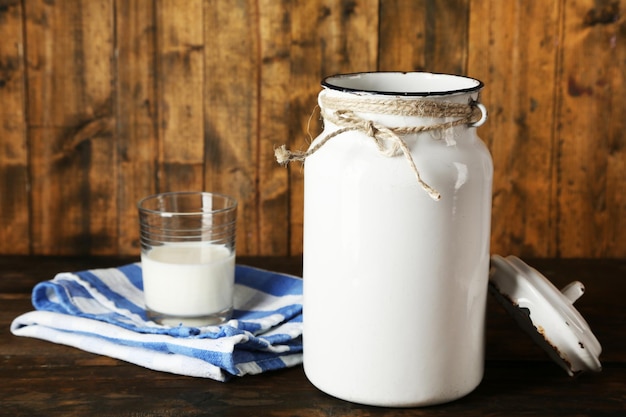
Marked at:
<point>342,112</point>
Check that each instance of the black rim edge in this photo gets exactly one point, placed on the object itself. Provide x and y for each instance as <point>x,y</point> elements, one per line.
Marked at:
<point>328,85</point>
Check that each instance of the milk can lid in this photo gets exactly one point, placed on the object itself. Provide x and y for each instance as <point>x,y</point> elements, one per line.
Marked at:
<point>546,313</point>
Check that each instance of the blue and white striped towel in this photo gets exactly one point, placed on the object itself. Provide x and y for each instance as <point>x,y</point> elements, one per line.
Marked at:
<point>102,311</point>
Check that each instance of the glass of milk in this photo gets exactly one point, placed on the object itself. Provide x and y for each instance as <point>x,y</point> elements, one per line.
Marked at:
<point>188,257</point>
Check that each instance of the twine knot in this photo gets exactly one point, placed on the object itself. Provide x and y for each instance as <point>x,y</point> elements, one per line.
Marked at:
<point>283,155</point>
<point>370,130</point>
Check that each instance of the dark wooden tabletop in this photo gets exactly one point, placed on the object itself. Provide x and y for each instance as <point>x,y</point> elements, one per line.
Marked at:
<point>39,378</point>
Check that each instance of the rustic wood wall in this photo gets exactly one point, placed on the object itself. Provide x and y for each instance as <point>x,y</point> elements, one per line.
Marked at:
<point>105,101</point>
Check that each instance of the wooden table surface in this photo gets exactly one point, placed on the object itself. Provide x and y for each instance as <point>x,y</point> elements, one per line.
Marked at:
<point>39,378</point>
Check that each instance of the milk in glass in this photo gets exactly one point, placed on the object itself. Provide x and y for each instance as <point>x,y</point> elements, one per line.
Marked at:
<point>188,279</point>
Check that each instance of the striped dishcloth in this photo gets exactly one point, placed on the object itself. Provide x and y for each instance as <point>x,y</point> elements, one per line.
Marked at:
<point>102,311</point>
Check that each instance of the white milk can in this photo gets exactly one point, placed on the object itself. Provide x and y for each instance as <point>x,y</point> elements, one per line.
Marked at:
<point>397,212</point>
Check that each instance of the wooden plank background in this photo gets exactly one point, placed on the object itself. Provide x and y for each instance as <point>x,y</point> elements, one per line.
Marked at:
<point>103,102</point>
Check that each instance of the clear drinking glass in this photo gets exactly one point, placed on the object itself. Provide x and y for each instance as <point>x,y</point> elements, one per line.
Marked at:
<point>188,257</point>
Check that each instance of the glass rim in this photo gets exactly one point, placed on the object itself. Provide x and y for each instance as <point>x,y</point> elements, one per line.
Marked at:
<point>230,207</point>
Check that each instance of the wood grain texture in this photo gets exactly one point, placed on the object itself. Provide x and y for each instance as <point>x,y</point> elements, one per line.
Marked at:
<point>275,115</point>
<point>180,66</point>
<point>425,35</point>
<point>70,127</point>
<point>107,101</point>
<point>591,139</point>
<point>231,112</point>
<point>43,378</point>
<point>513,50</point>
<point>14,177</point>
<point>136,114</point>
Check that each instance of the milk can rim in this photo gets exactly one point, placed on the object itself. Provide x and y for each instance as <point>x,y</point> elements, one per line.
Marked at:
<point>327,83</point>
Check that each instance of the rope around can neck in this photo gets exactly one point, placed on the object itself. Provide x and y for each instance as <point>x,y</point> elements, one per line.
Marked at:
<point>342,112</point>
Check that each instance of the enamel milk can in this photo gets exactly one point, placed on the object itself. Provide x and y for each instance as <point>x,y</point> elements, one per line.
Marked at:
<point>397,212</point>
